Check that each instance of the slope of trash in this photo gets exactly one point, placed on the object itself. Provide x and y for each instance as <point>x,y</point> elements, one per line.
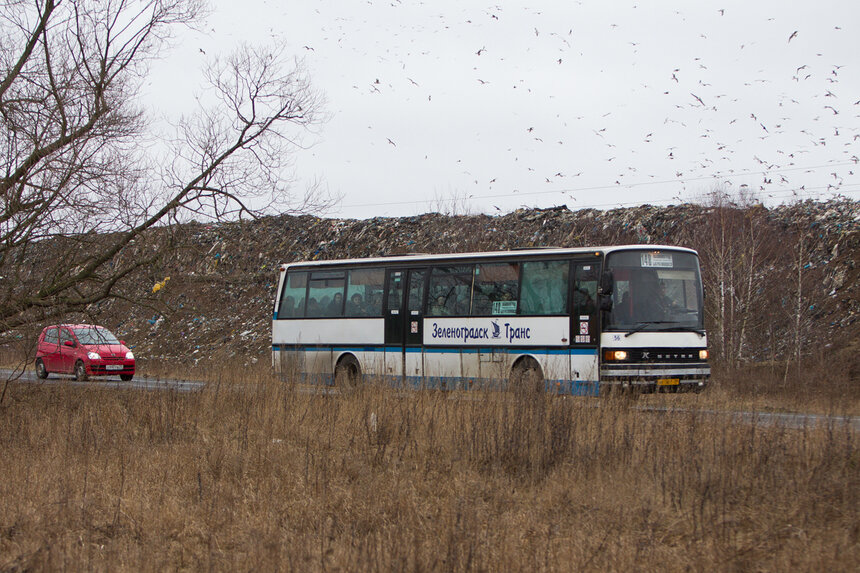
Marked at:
<point>213,297</point>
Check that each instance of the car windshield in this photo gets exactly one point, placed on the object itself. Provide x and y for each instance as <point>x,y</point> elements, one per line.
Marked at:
<point>95,335</point>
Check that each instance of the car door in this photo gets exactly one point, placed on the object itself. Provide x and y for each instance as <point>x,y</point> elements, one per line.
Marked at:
<point>49,349</point>
<point>67,352</point>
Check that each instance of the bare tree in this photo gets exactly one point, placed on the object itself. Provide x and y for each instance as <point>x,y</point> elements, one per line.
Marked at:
<point>737,248</point>
<point>80,193</point>
<point>456,202</point>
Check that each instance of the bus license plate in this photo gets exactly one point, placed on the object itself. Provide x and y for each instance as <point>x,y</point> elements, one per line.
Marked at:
<point>113,367</point>
<point>668,381</point>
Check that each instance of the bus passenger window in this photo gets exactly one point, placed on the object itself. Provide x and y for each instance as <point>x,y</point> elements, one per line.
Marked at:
<point>293,297</point>
<point>364,292</point>
<point>496,289</point>
<point>544,288</point>
<point>325,295</point>
<point>449,292</point>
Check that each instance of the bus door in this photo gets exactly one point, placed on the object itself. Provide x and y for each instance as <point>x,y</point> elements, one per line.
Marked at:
<point>404,324</point>
<point>584,328</point>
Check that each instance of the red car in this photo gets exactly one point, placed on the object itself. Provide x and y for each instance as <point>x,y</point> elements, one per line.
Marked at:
<point>83,350</point>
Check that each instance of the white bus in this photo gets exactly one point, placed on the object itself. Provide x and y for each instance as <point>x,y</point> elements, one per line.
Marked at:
<point>581,320</point>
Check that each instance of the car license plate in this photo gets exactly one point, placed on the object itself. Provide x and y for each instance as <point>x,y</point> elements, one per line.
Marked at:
<point>114,367</point>
<point>668,381</point>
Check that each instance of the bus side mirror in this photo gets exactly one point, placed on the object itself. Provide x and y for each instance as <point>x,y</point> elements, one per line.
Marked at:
<point>606,302</point>
<point>607,282</point>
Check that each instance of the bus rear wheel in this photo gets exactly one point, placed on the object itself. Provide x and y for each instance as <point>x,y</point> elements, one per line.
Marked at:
<point>527,377</point>
<point>347,374</point>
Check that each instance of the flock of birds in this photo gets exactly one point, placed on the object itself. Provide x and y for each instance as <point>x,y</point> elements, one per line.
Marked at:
<point>592,125</point>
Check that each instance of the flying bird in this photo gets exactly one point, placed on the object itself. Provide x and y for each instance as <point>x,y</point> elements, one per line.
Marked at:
<point>793,36</point>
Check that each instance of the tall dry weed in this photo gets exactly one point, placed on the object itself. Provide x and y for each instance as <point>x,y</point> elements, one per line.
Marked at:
<point>254,473</point>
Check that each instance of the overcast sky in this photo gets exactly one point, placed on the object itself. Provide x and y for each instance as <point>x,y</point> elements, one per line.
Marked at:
<point>590,104</point>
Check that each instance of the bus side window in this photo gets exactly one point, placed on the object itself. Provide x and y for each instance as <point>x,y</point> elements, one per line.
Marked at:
<point>293,296</point>
<point>364,292</point>
<point>544,287</point>
<point>449,292</point>
<point>325,295</point>
<point>496,289</point>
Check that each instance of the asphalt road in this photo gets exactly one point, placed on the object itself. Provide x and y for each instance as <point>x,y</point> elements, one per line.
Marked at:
<point>138,382</point>
<point>788,420</point>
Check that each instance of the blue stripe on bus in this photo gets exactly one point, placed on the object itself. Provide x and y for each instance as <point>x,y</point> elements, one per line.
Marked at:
<point>449,383</point>
<point>437,350</point>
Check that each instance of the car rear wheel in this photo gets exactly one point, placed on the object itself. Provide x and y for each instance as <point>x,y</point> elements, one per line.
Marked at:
<point>41,371</point>
<point>80,371</point>
<point>126,377</point>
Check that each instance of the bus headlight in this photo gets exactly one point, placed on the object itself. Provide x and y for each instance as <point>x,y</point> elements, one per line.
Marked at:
<point>703,354</point>
<point>615,355</point>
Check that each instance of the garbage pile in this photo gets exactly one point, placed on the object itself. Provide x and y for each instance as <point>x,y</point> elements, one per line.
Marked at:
<point>213,298</point>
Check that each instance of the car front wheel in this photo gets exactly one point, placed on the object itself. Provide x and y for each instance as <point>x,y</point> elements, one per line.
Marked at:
<point>41,371</point>
<point>126,377</point>
<point>80,371</point>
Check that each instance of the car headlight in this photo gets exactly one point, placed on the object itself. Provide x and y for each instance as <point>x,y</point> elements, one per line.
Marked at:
<point>129,355</point>
<point>93,356</point>
<point>703,354</point>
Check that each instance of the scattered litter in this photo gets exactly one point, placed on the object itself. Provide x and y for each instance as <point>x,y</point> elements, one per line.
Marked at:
<point>222,285</point>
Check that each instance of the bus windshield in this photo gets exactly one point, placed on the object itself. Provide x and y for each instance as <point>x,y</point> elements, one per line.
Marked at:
<point>655,291</point>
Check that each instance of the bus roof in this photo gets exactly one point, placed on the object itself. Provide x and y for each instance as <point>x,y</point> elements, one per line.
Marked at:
<point>527,253</point>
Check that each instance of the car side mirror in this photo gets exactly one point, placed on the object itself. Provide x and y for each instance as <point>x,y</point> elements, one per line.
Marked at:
<point>69,343</point>
<point>122,342</point>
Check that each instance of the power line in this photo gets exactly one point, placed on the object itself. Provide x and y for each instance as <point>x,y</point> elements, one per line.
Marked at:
<point>717,176</point>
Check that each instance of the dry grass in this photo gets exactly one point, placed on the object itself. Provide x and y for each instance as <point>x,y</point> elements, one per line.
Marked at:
<point>275,477</point>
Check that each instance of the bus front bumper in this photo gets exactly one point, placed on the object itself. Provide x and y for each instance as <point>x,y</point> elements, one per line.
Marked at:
<point>656,377</point>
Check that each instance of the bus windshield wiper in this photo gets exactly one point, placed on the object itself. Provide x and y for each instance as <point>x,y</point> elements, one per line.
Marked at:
<point>698,331</point>
<point>644,324</point>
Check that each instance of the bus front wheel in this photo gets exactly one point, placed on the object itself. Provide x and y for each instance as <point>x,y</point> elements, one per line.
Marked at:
<point>527,377</point>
